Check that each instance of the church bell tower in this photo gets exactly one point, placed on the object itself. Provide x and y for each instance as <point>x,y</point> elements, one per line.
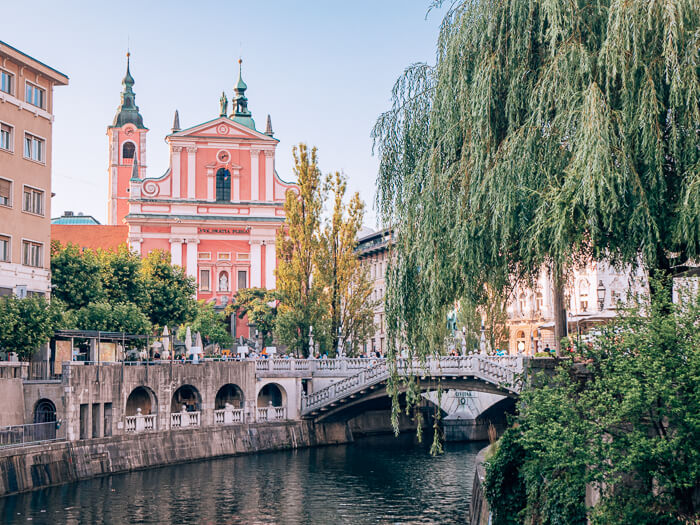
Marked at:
<point>127,150</point>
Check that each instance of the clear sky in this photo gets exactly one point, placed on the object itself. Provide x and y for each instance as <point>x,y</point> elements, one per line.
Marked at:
<point>322,69</point>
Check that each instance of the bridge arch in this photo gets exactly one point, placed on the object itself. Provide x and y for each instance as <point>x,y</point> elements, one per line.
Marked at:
<point>187,396</point>
<point>144,398</point>
<point>230,394</point>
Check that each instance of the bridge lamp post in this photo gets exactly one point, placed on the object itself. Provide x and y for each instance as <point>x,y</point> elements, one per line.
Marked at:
<point>601,295</point>
<point>311,342</point>
<point>482,342</point>
<point>464,340</point>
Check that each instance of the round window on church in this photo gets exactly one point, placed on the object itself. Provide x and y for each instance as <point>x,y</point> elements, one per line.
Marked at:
<point>223,156</point>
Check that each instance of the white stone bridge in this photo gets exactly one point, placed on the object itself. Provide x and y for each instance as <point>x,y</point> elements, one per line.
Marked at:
<point>366,379</point>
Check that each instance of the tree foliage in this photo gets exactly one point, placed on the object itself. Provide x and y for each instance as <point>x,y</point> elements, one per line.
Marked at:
<point>170,290</point>
<point>301,305</point>
<point>547,133</point>
<point>75,276</point>
<point>346,286</point>
<point>260,307</point>
<point>109,317</point>
<point>628,427</point>
<point>210,324</point>
<point>26,324</point>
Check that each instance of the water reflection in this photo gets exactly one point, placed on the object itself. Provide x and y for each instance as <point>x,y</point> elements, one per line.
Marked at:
<point>375,480</point>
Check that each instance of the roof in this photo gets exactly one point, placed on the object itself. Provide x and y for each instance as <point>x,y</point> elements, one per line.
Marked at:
<point>90,236</point>
<point>59,77</point>
<point>69,218</point>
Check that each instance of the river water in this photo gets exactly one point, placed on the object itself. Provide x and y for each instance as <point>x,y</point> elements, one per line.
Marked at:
<point>374,480</point>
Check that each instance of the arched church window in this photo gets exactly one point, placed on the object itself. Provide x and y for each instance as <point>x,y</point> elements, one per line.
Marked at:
<point>128,150</point>
<point>223,185</point>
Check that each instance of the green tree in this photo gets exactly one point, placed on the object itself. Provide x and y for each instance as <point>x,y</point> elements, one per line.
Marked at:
<point>111,317</point>
<point>548,133</point>
<point>346,286</point>
<point>627,424</point>
<point>75,276</point>
<point>122,279</point>
<point>170,290</point>
<point>297,281</point>
<point>210,324</point>
<point>260,307</point>
<point>26,324</point>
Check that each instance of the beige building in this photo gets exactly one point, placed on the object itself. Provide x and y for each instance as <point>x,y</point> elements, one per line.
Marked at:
<point>26,121</point>
<point>373,251</point>
<point>592,295</point>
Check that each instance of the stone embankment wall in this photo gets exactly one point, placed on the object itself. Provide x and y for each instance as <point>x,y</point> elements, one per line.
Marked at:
<point>479,508</point>
<point>29,468</point>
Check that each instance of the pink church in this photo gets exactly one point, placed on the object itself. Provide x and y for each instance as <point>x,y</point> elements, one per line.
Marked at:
<point>217,207</point>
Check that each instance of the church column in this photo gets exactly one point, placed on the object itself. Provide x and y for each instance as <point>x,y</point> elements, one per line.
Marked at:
<point>255,263</point>
<point>176,172</point>
<point>176,251</point>
<point>236,193</point>
<point>270,260</point>
<point>269,179</point>
<point>254,174</point>
<point>191,153</point>
<point>192,257</point>
<point>211,179</point>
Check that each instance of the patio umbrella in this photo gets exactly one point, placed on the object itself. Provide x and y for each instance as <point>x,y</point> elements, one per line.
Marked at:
<point>188,340</point>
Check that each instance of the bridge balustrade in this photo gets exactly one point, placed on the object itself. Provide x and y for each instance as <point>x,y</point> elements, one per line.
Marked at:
<point>271,413</point>
<point>140,423</point>
<point>185,419</point>
<point>231,416</point>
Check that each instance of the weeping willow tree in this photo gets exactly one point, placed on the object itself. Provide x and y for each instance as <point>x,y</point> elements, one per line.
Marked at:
<point>548,133</point>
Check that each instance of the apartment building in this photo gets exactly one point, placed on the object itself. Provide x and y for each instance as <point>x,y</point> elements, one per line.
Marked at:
<point>26,122</point>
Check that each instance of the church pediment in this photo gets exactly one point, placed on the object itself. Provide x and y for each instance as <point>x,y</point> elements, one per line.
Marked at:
<point>223,127</point>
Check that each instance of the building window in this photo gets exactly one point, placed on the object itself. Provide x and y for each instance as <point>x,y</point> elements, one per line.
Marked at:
<point>33,147</point>
<point>224,256</point>
<point>540,301</point>
<point>204,256</point>
<point>6,141</point>
<point>33,201</point>
<point>242,279</point>
<point>522,303</point>
<point>35,95</point>
<point>5,192</point>
<point>32,253</point>
<point>128,150</point>
<point>242,256</point>
<point>223,185</point>
<point>4,248</point>
<point>223,282</point>
<point>204,280</point>
<point>6,82</point>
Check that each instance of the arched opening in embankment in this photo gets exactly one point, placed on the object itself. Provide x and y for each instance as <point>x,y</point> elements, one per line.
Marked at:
<point>187,397</point>
<point>142,398</point>
<point>229,394</point>
<point>272,394</point>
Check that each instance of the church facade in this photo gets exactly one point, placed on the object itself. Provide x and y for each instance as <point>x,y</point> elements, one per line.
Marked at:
<point>218,206</point>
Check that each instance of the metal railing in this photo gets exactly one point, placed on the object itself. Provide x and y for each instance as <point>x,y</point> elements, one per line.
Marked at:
<point>22,435</point>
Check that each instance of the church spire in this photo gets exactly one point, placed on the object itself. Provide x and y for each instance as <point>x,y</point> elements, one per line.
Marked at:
<point>176,122</point>
<point>268,128</point>
<point>241,113</point>
<point>128,112</point>
<point>135,169</point>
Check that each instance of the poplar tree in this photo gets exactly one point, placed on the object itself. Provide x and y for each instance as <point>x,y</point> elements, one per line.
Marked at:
<point>346,286</point>
<point>547,134</point>
<point>300,306</point>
